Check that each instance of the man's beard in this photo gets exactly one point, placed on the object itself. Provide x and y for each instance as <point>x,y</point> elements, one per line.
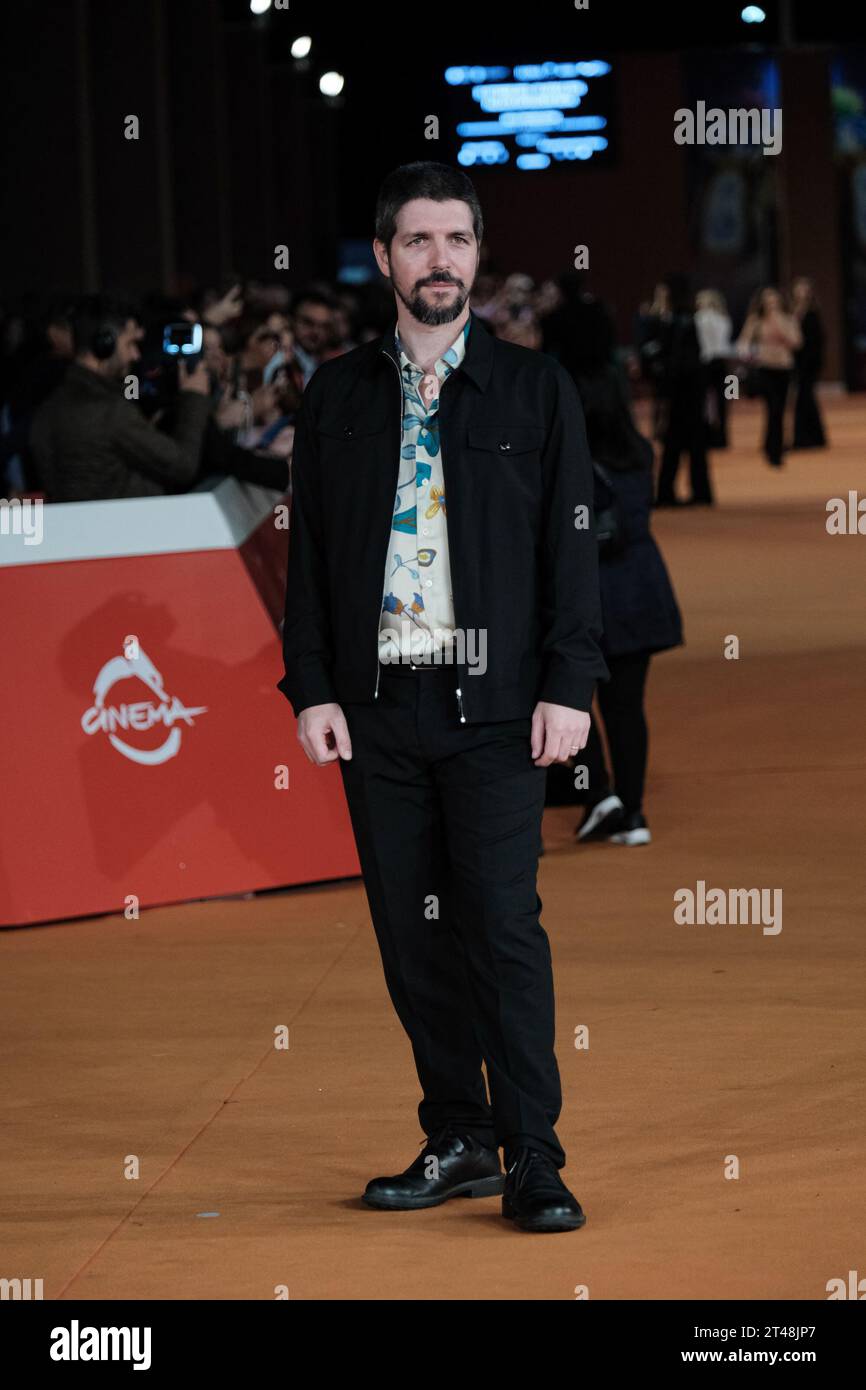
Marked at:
<point>433,314</point>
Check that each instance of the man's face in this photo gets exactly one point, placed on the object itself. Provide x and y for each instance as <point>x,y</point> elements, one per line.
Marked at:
<point>278,323</point>
<point>126,350</point>
<point>433,259</point>
<point>340,326</point>
<point>261,346</point>
<point>313,326</point>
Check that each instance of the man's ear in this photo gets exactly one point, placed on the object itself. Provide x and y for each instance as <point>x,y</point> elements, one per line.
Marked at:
<point>380,251</point>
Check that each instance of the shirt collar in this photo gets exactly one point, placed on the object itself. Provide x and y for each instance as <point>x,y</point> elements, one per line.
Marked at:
<point>444,365</point>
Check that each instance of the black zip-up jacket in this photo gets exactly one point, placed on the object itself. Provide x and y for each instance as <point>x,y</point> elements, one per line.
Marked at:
<point>517,476</point>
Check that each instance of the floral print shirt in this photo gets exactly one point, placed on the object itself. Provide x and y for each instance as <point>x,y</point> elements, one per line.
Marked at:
<point>417,605</point>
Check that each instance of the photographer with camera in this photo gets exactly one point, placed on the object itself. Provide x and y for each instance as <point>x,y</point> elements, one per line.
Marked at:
<point>89,440</point>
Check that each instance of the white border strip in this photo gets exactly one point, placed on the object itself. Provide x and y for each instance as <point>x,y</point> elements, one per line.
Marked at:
<point>219,519</point>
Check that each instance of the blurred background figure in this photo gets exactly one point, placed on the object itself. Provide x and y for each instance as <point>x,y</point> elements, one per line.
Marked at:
<point>651,323</point>
<point>32,372</point>
<point>682,384</point>
<point>808,361</point>
<point>640,614</point>
<point>486,295</point>
<point>254,345</point>
<point>343,322</point>
<point>313,328</point>
<point>511,313</point>
<point>713,324</point>
<point>580,332</point>
<point>548,297</point>
<point>768,340</point>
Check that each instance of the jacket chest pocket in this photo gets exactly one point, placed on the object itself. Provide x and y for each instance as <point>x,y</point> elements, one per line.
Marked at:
<point>347,443</point>
<point>496,443</point>
<point>504,476</point>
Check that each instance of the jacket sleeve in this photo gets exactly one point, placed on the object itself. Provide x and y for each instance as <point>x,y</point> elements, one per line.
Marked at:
<point>570,598</point>
<point>307,635</point>
<point>168,458</point>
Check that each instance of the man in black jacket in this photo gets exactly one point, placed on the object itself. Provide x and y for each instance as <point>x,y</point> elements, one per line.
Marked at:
<point>442,488</point>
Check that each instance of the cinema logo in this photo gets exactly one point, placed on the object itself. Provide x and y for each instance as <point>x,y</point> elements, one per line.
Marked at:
<point>164,712</point>
<point>718,907</point>
<point>754,126</point>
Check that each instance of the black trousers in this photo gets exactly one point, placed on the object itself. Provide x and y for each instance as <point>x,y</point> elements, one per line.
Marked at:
<point>774,383</point>
<point>621,702</point>
<point>808,425</point>
<point>447,822</point>
<point>685,432</point>
<point>716,429</point>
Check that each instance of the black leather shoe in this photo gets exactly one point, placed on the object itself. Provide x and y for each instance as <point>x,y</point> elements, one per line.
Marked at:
<point>466,1168</point>
<point>536,1198</point>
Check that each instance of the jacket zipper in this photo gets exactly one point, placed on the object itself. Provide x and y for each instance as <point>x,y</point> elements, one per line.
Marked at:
<point>459,691</point>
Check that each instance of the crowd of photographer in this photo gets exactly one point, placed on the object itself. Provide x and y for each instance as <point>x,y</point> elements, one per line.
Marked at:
<point>102,398</point>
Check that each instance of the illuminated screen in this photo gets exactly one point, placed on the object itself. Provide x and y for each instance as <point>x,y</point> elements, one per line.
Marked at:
<point>532,116</point>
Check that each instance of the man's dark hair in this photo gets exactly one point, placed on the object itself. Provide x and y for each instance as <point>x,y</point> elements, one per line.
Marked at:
<point>240,330</point>
<point>423,179</point>
<point>94,314</point>
<point>312,295</point>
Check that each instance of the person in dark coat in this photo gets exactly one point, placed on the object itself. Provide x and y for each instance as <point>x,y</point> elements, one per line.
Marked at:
<point>808,361</point>
<point>579,319</point>
<point>683,386</point>
<point>640,614</point>
<point>650,327</point>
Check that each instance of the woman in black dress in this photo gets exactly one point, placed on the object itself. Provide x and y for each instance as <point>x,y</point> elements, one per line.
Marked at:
<point>639,613</point>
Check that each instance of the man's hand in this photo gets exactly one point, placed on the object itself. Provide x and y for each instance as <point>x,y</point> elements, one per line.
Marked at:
<point>556,731</point>
<point>195,377</point>
<point>283,443</point>
<point>229,307</point>
<point>231,413</point>
<point>323,733</point>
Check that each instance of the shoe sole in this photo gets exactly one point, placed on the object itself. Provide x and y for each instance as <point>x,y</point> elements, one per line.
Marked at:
<point>478,1187</point>
<point>631,837</point>
<point>595,824</point>
<point>544,1224</point>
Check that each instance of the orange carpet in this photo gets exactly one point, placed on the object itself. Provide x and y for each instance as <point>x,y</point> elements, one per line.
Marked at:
<point>157,1144</point>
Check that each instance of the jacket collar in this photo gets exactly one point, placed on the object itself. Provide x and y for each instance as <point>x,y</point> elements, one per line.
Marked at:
<point>477,359</point>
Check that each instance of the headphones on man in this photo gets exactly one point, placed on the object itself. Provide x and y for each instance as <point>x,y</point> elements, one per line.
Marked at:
<point>103,341</point>
<point>98,326</point>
